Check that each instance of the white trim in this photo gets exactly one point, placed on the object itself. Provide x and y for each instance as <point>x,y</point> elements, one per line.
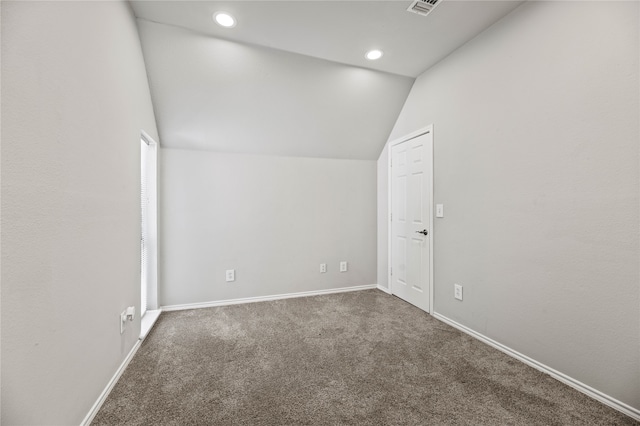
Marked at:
<point>423,131</point>
<point>412,135</point>
<point>147,139</point>
<point>384,289</point>
<point>389,221</point>
<point>153,250</point>
<point>569,381</point>
<point>431,227</point>
<point>147,322</point>
<point>103,396</point>
<point>216,303</point>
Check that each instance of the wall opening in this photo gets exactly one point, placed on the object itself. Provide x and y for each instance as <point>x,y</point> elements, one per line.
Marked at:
<point>148,233</point>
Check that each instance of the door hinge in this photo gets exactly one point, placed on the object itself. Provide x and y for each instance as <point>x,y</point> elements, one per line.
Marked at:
<point>390,271</point>
<point>391,217</point>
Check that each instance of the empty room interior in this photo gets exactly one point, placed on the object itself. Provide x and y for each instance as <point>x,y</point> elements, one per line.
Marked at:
<point>320,212</point>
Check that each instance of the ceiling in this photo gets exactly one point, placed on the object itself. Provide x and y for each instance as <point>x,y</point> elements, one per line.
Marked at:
<point>220,95</point>
<point>339,31</point>
<point>291,79</point>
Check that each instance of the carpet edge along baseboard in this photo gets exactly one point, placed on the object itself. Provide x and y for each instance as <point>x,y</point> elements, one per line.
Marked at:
<point>567,380</point>
<point>215,303</point>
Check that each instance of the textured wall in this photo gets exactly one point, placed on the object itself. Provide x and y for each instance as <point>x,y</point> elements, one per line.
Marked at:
<point>272,219</point>
<point>536,129</point>
<point>74,98</point>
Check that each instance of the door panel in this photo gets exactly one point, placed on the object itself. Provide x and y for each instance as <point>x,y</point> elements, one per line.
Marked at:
<point>410,215</point>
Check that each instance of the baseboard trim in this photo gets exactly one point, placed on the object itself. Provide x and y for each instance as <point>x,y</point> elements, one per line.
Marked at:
<point>384,289</point>
<point>569,381</point>
<point>216,303</point>
<point>107,390</point>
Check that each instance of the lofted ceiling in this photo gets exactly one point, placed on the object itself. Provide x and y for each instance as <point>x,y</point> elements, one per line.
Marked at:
<point>291,78</point>
<point>339,30</point>
<point>218,95</point>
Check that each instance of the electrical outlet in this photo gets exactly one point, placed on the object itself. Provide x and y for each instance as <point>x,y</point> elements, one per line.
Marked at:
<point>343,266</point>
<point>230,275</point>
<point>457,291</point>
<point>323,268</point>
<point>130,313</point>
<point>123,321</point>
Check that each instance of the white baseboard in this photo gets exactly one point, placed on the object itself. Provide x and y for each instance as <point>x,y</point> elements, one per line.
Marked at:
<point>264,298</point>
<point>586,389</point>
<point>385,289</point>
<point>103,396</point>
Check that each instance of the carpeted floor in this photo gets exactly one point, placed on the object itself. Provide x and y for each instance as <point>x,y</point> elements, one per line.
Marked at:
<point>351,358</point>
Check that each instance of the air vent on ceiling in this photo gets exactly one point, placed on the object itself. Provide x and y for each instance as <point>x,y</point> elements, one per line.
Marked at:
<point>423,7</point>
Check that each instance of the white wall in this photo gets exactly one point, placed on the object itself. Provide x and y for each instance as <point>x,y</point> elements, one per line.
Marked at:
<point>74,99</point>
<point>536,130</point>
<point>219,95</point>
<point>272,219</point>
<point>536,161</point>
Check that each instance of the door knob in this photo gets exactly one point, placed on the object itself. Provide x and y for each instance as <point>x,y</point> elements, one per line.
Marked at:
<point>423,232</point>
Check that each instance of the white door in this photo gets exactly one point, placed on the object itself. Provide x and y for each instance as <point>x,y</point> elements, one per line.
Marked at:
<point>410,220</point>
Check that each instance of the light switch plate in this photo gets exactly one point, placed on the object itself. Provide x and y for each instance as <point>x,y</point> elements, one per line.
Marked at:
<point>439,210</point>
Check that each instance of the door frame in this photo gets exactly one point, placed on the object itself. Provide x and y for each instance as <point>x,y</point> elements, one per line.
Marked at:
<point>428,129</point>
<point>153,250</point>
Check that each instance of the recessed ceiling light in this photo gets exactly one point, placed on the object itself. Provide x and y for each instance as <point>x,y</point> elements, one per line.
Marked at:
<point>224,19</point>
<point>372,55</point>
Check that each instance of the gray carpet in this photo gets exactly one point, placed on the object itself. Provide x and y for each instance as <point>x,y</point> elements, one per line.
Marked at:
<point>351,358</point>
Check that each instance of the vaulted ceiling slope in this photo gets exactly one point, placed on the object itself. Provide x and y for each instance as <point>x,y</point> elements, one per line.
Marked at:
<point>291,77</point>
<point>220,95</point>
<point>340,30</point>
